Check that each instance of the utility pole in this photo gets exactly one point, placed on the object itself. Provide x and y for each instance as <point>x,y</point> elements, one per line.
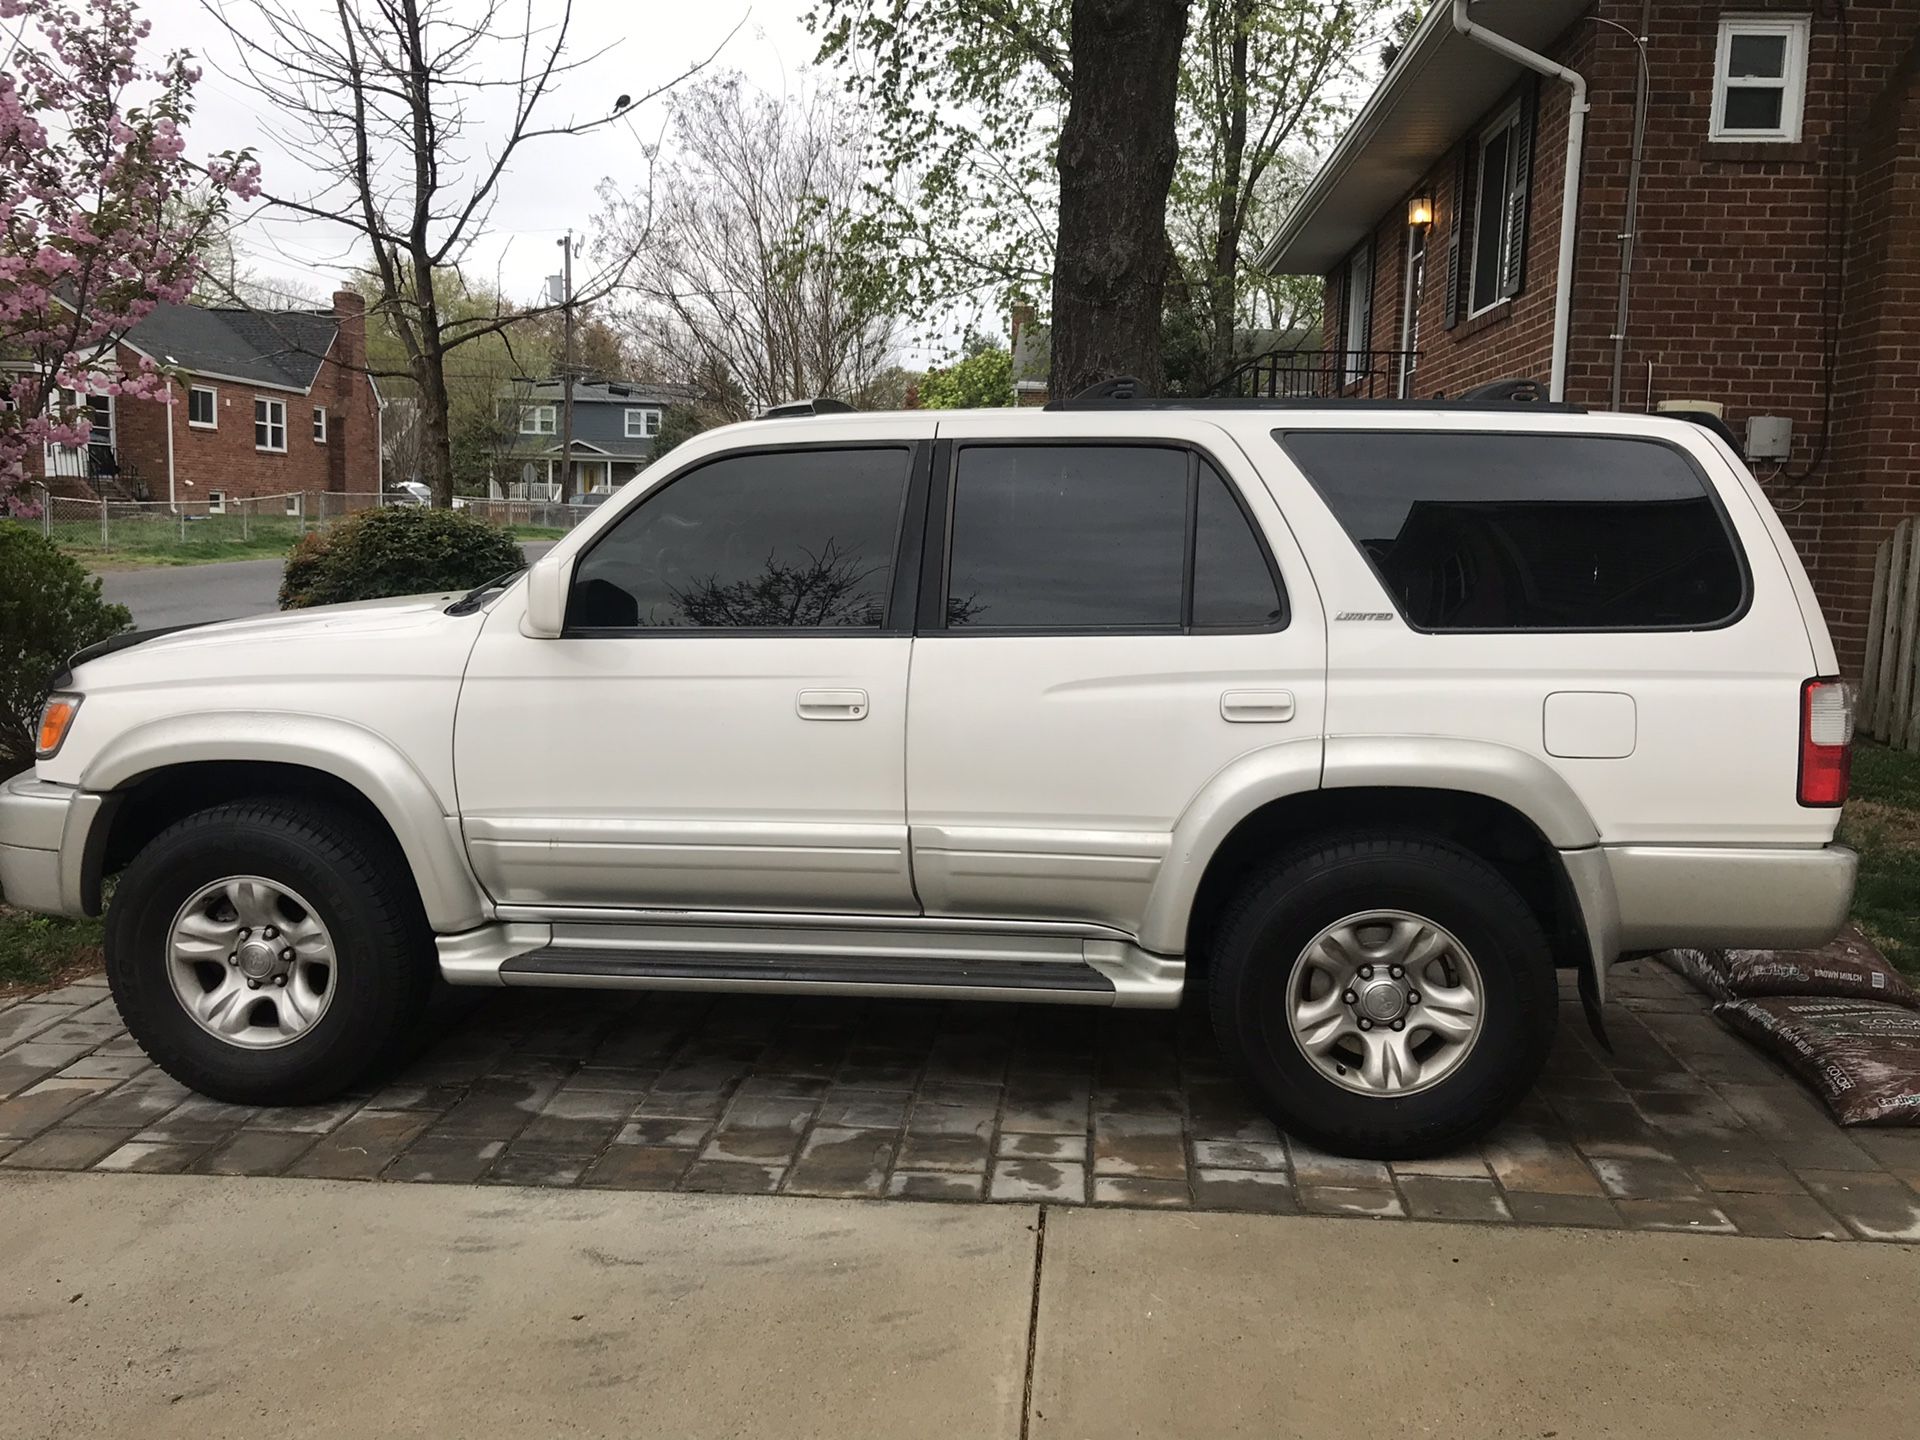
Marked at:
<point>566,371</point>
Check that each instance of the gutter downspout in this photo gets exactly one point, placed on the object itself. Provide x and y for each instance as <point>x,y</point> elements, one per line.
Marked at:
<point>173,506</point>
<point>1630,228</point>
<point>1406,314</point>
<point>1570,197</point>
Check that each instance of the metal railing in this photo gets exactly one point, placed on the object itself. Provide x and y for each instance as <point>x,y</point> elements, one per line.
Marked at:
<point>1321,375</point>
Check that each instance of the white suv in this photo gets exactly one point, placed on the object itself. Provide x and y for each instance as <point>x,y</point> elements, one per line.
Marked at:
<point>1365,718</point>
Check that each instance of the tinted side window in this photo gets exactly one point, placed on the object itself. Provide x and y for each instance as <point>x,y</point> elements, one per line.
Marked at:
<point>1530,532</point>
<point>801,539</point>
<point>1068,537</point>
<point>1233,585</point>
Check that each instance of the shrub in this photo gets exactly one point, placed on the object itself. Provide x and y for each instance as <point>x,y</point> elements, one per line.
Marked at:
<point>399,550</point>
<point>49,608</point>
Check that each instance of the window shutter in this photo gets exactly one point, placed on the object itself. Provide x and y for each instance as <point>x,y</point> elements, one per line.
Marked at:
<point>1513,263</point>
<point>1456,217</point>
<point>1339,288</point>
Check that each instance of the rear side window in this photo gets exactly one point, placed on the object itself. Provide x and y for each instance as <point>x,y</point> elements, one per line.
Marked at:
<point>1530,532</point>
<point>1125,538</point>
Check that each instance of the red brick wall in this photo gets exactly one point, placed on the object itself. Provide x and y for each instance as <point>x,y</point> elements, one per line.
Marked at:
<point>224,458</point>
<point>1734,291</point>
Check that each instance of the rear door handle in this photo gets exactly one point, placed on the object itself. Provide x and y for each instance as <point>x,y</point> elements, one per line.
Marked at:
<point>832,705</point>
<point>1257,707</point>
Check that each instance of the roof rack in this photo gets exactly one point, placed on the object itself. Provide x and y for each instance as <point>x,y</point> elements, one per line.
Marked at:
<point>819,405</point>
<point>1124,394</point>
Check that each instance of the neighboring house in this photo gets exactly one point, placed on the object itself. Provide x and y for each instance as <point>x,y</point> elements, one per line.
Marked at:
<point>614,422</point>
<point>1032,357</point>
<point>1775,254</point>
<point>264,403</point>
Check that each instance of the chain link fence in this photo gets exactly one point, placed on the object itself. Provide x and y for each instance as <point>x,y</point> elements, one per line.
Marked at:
<point>155,527</point>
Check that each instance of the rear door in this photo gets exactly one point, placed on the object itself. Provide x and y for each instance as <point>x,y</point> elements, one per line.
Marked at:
<point>1106,624</point>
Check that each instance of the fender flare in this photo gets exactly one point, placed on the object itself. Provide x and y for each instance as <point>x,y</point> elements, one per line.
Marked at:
<point>360,757</point>
<point>1521,781</point>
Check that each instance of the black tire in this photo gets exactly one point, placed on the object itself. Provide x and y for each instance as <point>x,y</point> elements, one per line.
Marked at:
<point>1269,924</point>
<point>359,885</point>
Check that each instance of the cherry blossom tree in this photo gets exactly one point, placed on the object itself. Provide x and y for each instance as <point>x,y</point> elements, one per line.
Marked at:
<point>101,214</point>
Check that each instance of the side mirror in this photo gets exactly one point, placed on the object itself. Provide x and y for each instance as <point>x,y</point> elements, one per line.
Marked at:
<point>547,585</point>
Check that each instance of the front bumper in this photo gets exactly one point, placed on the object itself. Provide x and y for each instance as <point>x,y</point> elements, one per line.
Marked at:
<point>43,845</point>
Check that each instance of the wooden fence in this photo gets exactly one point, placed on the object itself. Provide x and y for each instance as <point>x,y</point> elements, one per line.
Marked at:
<point>1888,709</point>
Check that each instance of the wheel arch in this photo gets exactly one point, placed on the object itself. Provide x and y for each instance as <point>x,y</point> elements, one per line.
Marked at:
<point>155,775</point>
<point>1504,805</point>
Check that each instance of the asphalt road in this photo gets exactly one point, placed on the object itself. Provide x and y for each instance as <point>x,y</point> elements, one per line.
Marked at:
<point>195,594</point>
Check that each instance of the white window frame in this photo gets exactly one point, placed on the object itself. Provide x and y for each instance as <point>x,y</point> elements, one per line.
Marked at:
<point>539,419</point>
<point>274,426</point>
<point>319,424</point>
<point>213,400</point>
<point>216,502</point>
<point>1358,303</point>
<point>1509,121</point>
<point>649,426</point>
<point>1792,84</point>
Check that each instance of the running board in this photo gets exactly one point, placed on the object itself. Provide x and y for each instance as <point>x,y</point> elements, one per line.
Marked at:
<point>851,956</point>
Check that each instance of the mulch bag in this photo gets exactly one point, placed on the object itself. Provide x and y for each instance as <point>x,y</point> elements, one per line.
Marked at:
<point>1862,1057</point>
<point>1847,968</point>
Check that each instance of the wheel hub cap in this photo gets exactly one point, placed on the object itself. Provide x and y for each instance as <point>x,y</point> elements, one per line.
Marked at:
<point>1385,1002</point>
<point>251,961</point>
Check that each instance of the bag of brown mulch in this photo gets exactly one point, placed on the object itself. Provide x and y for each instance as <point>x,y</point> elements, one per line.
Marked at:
<point>1863,1058</point>
<point>1847,968</point>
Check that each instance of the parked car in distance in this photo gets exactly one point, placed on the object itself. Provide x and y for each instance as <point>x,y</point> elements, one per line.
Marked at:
<point>409,492</point>
<point>1361,721</point>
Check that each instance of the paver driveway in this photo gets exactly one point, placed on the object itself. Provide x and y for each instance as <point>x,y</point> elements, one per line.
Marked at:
<point>1682,1127</point>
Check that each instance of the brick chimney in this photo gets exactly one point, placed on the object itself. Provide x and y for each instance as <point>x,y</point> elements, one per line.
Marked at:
<point>1022,318</point>
<point>350,309</point>
<point>353,451</point>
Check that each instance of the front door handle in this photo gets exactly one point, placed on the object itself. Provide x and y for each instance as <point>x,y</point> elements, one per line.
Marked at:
<point>832,705</point>
<point>1257,707</point>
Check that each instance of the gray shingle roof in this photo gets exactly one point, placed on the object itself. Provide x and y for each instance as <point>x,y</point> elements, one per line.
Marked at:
<point>606,392</point>
<point>281,347</point>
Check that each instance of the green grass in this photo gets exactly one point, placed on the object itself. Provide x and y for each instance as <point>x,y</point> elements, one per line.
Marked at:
<point>1882,822</point>
<point>203,552</point>
<point>38,950</point>
<point>537,532</point>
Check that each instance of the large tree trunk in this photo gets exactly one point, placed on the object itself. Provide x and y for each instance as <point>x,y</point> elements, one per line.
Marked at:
<point>1116,159</point>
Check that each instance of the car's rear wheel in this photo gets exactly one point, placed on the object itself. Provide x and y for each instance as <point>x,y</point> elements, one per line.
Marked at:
<point>268,952</point>
<point>1385,996</point>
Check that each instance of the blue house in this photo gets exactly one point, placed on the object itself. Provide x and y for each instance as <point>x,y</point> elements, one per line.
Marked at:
<point>614,422</point>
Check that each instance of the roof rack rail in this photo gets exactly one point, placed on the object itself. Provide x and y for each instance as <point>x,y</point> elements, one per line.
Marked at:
<point>819,405</point>
<point>1123,393</point>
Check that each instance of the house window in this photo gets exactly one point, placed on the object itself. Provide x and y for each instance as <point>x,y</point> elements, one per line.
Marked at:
<point>203,407</point>
<point>642,424</point>
<point>1357,319</point>
<point>269,424</point>
<point>319,424</point>
<point>216,502</point>
<point>1499,210</point>
<point>540,420</point>
<point>1760,78</point>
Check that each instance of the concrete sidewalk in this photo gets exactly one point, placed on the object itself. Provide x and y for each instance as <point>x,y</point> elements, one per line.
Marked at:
<point>187,1306</point>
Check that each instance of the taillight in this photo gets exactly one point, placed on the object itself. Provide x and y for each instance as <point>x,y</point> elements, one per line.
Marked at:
<point>1826,740</point>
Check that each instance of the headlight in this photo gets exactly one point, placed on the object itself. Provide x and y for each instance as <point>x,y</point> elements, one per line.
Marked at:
<point>56,719</point>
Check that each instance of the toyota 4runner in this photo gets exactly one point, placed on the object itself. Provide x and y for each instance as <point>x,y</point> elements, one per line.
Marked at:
<point>1360,720</point>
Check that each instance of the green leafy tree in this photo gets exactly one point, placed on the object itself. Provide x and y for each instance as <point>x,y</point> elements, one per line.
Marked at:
<point>49,608</point>
<point>678,424</point>
<point>982,380</point>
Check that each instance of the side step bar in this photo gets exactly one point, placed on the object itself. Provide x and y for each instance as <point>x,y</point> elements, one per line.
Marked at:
<point>863,958</point>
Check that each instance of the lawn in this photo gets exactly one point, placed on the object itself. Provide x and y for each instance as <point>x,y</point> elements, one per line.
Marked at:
<point>38,951</point>
<point>1882,822</point>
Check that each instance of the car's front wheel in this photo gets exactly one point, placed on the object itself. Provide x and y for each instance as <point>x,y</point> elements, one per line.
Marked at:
<point>268,952</point>
<point>1385,996</point>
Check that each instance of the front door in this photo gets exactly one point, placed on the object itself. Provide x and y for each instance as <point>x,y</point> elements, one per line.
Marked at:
<point>723,724</point>
<point>1106,631</point>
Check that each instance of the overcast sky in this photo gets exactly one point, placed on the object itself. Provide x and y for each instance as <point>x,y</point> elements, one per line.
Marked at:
<point>551,185</point>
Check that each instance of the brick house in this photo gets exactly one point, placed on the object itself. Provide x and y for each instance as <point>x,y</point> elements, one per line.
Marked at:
<point>1769,269</point>
<point>263,403</point>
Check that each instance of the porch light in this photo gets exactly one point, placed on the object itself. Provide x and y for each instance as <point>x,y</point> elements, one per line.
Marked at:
<point>1420,210</point>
